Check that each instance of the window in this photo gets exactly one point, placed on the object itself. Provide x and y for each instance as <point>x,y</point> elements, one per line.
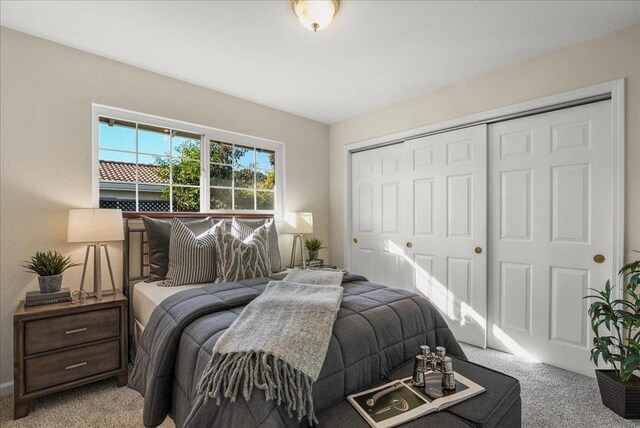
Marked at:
<point>148,168</point>
<point>160,166</point>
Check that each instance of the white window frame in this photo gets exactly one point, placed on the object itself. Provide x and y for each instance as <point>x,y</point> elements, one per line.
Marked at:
<point>208,134</point>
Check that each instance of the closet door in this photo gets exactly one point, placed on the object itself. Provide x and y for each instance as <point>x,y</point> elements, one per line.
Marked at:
<point>447,221</point>
<point>551,188</point>
<point>379,228</point>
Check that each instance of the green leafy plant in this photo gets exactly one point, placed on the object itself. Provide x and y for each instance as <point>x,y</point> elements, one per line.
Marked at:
<point>619,345</point>
<point>48,263</point>
<point>313,244</point>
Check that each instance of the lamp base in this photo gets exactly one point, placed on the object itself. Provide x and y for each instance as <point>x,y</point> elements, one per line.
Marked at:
<point>297,239</point>
<point>97,269</point>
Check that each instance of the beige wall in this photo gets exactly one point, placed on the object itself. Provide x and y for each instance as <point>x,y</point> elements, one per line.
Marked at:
<point>46,95</point>
<point>614,56</point>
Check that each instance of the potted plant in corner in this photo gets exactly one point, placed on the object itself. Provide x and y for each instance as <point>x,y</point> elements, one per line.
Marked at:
<point>616,326</point>
<point>49,266</point>
<point>313,245</point>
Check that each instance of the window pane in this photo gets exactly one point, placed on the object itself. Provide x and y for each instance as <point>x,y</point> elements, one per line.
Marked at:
<point>245,156</point>
<point>186,199</point>
<point>221,199</point>
<point>153,198</point>
<point>265,159</point>
<point>153,169</point>
<point>113,169</point>
<point>186,147</point>
<point>117,137</point>
<point>221,175</point>
<point>243,177</point>
<point>186,172</point>
<point>153,140</point>
<point>264,200</point>
<point>118,195</point>
<point>109,156</point>
<point>244,200</point>
<point>265,180</point>
<point>221,153</point>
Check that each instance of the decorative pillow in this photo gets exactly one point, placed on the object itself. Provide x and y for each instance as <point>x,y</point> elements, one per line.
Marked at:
<point>242,230</point>
<point>192,259</point>
<point>241,259</point>
<point>158,235</point>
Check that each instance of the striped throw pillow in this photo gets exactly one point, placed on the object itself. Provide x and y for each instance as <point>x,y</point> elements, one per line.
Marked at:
<point>241,259</point>
<point>242,231</point>
<point>191,258</point>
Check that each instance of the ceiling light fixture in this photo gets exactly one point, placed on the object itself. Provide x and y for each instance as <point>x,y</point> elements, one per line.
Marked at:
<point>315,14</point>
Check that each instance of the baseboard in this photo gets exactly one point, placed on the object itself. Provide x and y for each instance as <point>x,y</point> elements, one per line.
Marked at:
<point>6,388</point>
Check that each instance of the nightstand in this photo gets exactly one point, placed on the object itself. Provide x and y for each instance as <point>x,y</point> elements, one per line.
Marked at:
<point>65,345</point>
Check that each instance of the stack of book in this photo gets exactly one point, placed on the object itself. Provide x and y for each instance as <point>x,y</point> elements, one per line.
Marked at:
<point>317,263</point>
<point>36,298</point>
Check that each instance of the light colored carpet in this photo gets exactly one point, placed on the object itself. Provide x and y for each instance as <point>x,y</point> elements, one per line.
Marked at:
<point>551,397</point>
<point>101,404</point>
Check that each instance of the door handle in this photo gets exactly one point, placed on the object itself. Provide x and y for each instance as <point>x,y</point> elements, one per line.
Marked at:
<point>409,244</point>
<point>355,241</point>
<point>599,258</point>
<point>478,250</point>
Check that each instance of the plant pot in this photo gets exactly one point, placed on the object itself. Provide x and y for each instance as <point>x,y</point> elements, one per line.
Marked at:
<point>313,255</point>
<point>622,398</point>
<point>50,284</point>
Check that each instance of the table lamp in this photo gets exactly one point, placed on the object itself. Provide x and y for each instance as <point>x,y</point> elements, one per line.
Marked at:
<point>298,223</point>
<point>96,225</point>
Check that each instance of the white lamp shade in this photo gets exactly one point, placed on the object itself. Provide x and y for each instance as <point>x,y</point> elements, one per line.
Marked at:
<point>95,225</point>
<point>298,223</point>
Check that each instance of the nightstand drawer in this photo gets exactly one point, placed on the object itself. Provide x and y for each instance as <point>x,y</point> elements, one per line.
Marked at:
<point>66,366</point>
<point>59,332</point>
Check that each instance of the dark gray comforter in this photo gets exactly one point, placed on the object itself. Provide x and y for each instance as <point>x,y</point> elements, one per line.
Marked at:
<point>377,329</point>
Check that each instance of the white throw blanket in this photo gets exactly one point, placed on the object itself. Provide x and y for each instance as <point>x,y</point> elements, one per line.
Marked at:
<point>278,343</point>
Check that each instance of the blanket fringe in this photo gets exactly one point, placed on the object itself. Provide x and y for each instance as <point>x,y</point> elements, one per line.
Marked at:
<point>227,375</point>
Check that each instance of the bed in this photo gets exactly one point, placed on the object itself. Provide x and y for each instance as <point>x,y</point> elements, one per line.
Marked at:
<point>377,329</point>
<point>145,298</point>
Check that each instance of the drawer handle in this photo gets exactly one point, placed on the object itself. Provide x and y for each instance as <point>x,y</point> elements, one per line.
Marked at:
<point>75,366</point>
<point>77,330</point>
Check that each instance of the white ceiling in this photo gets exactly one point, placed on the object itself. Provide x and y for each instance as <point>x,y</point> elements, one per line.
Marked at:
<point>375,53</point>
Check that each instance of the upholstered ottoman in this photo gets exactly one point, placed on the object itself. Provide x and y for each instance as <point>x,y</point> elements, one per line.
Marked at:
<point>499,406</point>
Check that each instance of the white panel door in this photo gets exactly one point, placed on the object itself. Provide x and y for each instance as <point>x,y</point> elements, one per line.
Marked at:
<point>551,198</point>
<point>378,226</point>
<point>447,222</point>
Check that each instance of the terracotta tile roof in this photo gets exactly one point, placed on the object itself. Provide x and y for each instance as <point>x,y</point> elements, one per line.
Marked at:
<point>125,171</point>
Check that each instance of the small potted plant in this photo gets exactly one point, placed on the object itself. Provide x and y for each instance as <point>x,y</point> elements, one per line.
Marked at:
<point>49,266</point>
<point>616,326</point>
<point>313,245</point>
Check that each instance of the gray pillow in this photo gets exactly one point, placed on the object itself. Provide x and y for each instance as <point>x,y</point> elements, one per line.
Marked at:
<point>158,235</point>
<point>242,230</point>
<point>241,259</point>
<point>192,259</point>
